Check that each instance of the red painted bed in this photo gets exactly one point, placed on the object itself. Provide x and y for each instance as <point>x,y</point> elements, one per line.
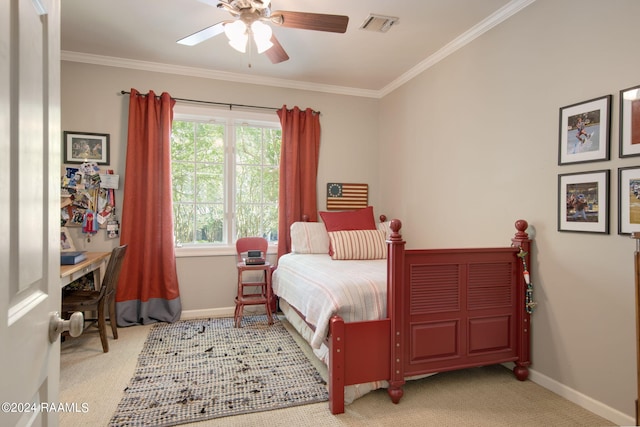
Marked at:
<point>447,309</point>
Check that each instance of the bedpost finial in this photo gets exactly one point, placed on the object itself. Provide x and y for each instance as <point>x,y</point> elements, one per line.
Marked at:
<point>305,218</point>
<point>521,226</point>
<point>395,225</point>
<point>383,218</point>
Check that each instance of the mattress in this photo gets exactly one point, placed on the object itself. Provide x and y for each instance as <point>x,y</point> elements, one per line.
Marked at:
<point>319,288</point>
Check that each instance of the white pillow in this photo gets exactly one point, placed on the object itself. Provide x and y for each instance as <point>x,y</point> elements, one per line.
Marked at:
<point>386,227</point>
<point>309,238</point>
<point>358,244</point>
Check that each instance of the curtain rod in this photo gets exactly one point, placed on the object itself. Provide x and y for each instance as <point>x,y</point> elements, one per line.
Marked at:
<point>124,92</point>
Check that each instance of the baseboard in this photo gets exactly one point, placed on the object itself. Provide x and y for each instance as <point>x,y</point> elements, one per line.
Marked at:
<point>579,399</point>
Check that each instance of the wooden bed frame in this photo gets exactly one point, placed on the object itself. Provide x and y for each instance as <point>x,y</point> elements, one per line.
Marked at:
<point>447,309</point>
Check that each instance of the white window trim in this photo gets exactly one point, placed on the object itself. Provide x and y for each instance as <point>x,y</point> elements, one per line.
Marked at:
<point>221,250</point>
<point>211,113</point>
<point>214,114</point>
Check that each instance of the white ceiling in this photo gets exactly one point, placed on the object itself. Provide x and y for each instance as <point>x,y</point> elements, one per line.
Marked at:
<point>144,33</point>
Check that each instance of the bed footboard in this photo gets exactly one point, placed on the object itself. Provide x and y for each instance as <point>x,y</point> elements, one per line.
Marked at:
<point>466,307</point>
<point>361,352</point>
<point>358,353</point>
<point>447,309</point>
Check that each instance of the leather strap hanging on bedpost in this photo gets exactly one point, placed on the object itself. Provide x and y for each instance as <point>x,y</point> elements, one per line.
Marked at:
<point>522,244</point>
<point>529,304</point>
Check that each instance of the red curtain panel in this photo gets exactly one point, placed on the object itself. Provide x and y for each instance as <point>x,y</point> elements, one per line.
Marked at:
<point>148,286</point>
<point>298,170</point>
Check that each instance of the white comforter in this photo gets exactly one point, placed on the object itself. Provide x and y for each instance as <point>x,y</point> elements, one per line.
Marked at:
<point>319,287</point>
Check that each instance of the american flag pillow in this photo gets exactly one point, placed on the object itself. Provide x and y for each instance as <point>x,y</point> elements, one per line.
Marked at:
<point>358,244</point>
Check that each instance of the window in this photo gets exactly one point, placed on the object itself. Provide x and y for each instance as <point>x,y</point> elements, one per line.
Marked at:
<point>225,171</point>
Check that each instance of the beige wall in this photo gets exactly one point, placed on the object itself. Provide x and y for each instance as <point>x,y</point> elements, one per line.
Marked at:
<point>477,138</point>
<point>348,151</point>
<point>459,153</point>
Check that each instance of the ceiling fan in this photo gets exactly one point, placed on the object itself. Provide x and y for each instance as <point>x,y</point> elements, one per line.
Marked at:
<point>252,18</point>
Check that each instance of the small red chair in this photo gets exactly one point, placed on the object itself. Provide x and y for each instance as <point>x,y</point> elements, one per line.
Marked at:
<point>252,292</point>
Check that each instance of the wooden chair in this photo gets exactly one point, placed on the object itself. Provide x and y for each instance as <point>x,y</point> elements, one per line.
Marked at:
<point>100,300</point>
<point>259,292</point>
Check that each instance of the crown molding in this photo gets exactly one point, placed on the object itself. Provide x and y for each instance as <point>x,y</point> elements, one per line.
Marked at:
<point>476,31</point>
<point>111,61</point>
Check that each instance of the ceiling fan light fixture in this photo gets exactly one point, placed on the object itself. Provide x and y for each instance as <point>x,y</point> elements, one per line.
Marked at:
<point>254,19</point>
<point>239,44</point>
<point>263,46</point>
<point>262,36</point>
<point>236,32</point>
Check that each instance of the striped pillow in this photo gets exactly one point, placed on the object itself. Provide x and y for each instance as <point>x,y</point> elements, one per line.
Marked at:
<point>309,238</point>
<point>358,244</point>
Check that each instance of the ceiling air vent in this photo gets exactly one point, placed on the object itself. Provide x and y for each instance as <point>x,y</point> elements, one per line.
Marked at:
<point>378,23</point>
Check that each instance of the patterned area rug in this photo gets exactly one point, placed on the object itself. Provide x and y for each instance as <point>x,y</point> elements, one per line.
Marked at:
<point>195,370</point>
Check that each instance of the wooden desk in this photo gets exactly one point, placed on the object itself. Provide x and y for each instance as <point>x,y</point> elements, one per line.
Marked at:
<point>96,262</point>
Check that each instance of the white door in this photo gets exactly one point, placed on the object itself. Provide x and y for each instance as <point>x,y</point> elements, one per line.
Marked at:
<point>29,209</point>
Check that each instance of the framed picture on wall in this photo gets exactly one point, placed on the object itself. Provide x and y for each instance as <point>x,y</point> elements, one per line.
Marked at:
<point>583,202</point>
<point>585,131</point>
<point>66,242</point>
<point>629,200</point>
<point>82,147</point>
<point>630,122</point>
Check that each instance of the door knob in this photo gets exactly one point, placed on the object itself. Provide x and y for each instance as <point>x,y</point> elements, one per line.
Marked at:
<point>74,325</point>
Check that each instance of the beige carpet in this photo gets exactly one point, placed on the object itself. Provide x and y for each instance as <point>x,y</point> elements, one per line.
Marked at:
<point>475,397</point>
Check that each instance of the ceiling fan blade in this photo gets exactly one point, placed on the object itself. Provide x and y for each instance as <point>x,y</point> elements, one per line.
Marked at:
<point>203,35</point>
<point>276,53</point>
<point>213,3</point>
<point>310,21</point>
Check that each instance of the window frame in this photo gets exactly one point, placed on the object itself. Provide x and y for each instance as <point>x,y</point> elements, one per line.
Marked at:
<point>229,118</point>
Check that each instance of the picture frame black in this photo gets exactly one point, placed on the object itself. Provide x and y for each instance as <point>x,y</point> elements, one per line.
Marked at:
<point>82,147</point>
<point>630,122</point>
<point>583,202</point>
<point>628,200</point>
<point>585,131</point>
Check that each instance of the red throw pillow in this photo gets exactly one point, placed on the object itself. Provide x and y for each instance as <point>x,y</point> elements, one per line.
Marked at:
<point>361,219</point>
